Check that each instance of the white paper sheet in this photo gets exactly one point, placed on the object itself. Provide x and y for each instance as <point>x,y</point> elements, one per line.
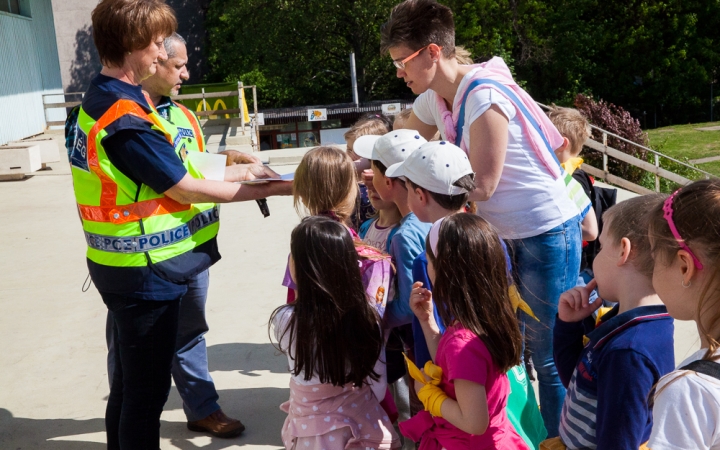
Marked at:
<point>211,165</point>
<point>286,177</point>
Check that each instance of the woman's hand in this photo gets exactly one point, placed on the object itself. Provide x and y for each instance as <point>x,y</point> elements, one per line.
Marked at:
<point>248,172</point>
<point>574,305</point>
<point>421,302</point>
<point>236,157</point>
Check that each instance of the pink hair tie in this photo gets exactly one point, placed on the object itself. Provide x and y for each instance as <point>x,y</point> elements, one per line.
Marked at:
<point>668,216</point>
<point>434,236</point>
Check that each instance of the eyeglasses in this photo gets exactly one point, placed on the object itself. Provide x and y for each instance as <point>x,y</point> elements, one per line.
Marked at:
<point>400,64</point>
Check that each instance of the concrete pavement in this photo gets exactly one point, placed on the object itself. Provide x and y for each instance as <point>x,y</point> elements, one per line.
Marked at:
<point>53,381</point>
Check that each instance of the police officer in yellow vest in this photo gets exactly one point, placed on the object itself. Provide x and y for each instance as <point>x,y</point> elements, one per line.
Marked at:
<point>149,218</point>
<point>190,364</point>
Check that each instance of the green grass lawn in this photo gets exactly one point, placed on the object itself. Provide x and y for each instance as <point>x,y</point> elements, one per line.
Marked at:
<point>685,141</point>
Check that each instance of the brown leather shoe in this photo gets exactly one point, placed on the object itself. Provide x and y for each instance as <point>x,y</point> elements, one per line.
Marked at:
<point>218,424</point>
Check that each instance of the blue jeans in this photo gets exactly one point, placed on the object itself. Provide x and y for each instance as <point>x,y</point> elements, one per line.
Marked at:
<point>144,336</point>
<point>190,364</point>
<point>546,266</point>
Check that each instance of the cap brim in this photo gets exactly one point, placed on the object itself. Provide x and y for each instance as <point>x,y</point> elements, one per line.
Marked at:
<point>396,170</point>
<point>364,145</point>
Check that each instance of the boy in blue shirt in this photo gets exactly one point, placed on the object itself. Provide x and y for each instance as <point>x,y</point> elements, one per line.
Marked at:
<point>611,365</point>
<point>409,240</point>
<point>438,177</point>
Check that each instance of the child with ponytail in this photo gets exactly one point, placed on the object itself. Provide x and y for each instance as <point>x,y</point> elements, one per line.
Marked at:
<point>685,236</point>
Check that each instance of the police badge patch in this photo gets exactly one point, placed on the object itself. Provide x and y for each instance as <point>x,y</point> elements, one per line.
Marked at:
<point>183,153</point>
<point>78,157</point>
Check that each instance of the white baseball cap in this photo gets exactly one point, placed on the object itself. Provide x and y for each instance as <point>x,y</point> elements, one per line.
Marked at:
<point>434,166</point>
<point>390,148</point>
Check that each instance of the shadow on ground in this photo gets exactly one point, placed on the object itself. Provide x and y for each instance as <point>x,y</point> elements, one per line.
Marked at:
<point>257,408</point>
<point>24,433</point>
<point>246,358</point>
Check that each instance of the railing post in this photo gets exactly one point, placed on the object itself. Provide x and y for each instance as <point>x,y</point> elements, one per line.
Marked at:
<point>657,177</point>
<point>605,156</point>
<point>242,106</point>
<point>204,105</point>
<point>257,125</point>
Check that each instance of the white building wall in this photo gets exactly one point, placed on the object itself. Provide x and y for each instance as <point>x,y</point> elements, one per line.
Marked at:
<point>29,68</point>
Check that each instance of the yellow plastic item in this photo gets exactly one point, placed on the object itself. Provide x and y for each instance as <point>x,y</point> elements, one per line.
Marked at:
<point>600,312</point>
<point>572,164</point>
<point>432,397</point>
<point>557,444</point>
<point>552,444</point>
<point>518,303</point>
<point>431,370</point>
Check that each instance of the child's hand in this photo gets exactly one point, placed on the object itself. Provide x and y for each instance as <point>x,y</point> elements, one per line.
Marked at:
<point>574,305</point>
<point>367,177</point>
<point>421,302</point>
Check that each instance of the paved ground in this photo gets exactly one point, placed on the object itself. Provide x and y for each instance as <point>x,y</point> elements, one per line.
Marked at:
<point>53,380</point>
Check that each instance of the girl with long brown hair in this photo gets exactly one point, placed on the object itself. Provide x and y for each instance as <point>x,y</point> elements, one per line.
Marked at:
<point>685,235</point>
<point>466,389</point>
<point>333,340</point>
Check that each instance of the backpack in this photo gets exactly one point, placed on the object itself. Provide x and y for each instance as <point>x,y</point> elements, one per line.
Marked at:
<point>375,267</point>
<point>602,199</point>
<point>705,367</point>
<point>376,270</point>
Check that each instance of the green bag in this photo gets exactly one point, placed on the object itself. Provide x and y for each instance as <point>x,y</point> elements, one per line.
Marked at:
<point>522,408</point>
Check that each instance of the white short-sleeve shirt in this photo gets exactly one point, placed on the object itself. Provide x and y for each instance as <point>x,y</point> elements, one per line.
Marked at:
<point>686,414</point>
<point>528,201</point>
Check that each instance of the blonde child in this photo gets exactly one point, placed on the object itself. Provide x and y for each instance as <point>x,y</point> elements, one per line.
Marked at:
<point>611,364</point>
<point>575,130</point>
<point>465,392</point>
<point>333,341</point>
<point>685,236</point>
<point>325,184</point>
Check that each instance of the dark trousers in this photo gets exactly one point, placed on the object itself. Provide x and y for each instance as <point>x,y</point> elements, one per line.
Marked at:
<point>144,335</point>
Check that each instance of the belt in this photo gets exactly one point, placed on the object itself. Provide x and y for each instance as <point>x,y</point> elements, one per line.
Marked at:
<point>148,242</point>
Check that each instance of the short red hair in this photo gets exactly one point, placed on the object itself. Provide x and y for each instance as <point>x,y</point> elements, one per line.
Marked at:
<point>121,26</point>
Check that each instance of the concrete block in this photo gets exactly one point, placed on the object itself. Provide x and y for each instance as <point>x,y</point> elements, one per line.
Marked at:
<point>285,160</point>
<point>49,151</point>
<point>238,140</point>
<point>15,162</point>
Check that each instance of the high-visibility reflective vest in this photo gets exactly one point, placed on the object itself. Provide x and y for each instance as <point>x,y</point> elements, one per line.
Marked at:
<point>188,127</point>
<point>126,224</point>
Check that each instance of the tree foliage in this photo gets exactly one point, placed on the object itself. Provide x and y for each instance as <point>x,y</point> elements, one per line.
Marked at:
<point>297,51</point>
<point>652,56</point>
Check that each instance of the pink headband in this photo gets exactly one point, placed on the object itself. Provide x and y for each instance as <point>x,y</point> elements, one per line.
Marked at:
<point>667,214</point>
<point>434,236</point>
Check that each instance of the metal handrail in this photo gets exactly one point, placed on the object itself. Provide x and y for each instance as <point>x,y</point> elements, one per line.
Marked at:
<point>655,168</point>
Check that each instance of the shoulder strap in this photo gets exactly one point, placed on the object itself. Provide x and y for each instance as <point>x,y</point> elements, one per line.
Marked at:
<point>513,97</point>
<point>704,366</point>
<point>364,228</point>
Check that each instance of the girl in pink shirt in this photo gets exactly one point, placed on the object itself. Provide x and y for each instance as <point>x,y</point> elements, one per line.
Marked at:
<point>465,392</point>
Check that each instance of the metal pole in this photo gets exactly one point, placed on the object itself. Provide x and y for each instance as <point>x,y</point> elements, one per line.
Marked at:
<point>353,77</point>
<point>204,105</point>
<point>257,125</point>
<point>242,106</point>
<point>657,177</point>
